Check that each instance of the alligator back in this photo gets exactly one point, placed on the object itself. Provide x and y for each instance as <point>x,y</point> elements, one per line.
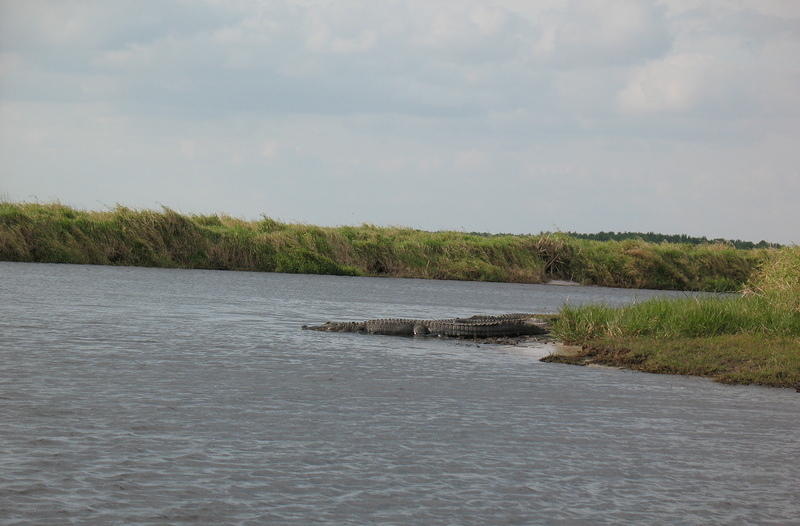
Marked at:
<point>479,326</point>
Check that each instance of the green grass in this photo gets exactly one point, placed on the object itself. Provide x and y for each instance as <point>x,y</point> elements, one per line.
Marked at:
<point>671,318</point>
<point>749,338</point>
<point>123,236</point>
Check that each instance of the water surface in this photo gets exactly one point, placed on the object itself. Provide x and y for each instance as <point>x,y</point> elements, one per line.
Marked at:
<point>153,396</point>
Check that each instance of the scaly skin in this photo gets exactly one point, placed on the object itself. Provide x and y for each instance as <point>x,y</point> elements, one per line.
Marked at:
<point>480,326</point>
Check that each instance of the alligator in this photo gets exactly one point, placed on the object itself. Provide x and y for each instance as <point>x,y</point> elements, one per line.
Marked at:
<point>480,326</point>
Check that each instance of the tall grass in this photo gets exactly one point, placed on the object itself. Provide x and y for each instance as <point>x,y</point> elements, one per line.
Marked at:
<point>770,306</point>
<point>752,338</point>
<point>124,236</point>
<point>778,280</point>
<point>671,318</point>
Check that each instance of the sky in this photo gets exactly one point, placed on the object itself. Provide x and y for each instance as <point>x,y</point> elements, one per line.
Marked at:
<point>493,116</point>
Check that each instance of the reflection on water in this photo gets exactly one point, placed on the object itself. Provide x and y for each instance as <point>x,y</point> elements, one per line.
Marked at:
<point>151,396</point>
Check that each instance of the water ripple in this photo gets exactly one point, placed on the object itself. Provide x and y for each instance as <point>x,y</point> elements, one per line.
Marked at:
<point>148,396</point>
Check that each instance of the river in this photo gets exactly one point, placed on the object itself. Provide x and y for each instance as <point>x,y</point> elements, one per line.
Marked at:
<point>156,396</point>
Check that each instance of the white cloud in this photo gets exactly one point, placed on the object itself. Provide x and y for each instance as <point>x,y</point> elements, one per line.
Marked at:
<point>676,83</point>
<point>269,149</point>
<point>593,32</point>
<point>188,148</point>
<point>10,63</point>
<point>471,160</point>
<point>776,8</point>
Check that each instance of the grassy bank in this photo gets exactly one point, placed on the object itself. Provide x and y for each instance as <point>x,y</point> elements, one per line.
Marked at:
<point>123,236</point>
<point>749,338</point>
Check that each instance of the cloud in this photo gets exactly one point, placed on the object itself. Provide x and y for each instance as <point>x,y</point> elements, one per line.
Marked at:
<point>418,58</point>
<point>676,83</point>
<point>592,33</point>
<point>597,105</point>
<point>353,57</point>
<point>269,149</point>
<point>10,63</point>
<point>725,65</point>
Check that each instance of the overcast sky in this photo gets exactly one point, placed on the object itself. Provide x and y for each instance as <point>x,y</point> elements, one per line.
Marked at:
<point>501,116</point>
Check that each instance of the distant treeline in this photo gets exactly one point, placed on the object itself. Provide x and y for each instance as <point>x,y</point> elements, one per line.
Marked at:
<point>652,237</point>
<point>56,233</point>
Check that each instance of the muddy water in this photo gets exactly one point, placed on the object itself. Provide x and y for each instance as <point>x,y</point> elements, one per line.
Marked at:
<point>151,396</point>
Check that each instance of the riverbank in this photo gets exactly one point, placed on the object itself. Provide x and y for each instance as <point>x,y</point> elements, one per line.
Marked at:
<point>753,338</point>
<point>729,358</point>
<point>56,233</point>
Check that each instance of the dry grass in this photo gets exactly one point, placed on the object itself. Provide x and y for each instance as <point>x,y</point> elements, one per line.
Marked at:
<point>778,280</point>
